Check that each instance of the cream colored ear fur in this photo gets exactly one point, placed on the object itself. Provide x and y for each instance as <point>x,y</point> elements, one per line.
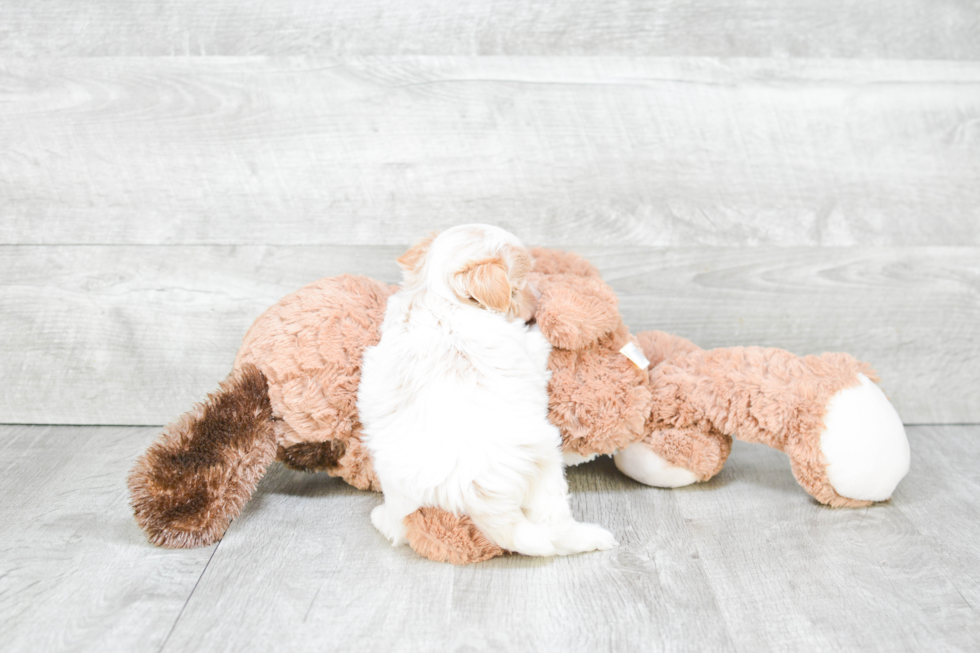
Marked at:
<point>487,282</point>
<point>413,259</point>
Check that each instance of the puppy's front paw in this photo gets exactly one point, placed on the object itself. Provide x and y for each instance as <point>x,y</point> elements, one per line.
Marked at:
<point>580,538</point>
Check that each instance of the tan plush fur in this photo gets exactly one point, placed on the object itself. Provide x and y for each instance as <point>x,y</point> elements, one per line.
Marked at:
<point>704,398</point>
<point>444,537</point>
<point>292,396</point>
<point>309,346</point>
<point>599,400</point>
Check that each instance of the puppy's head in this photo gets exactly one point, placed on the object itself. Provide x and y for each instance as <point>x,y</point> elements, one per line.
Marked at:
<point>497,283</point>
<point>481,265</point>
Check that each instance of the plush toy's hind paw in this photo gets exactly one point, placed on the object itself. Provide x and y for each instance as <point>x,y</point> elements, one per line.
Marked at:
<point>640,463</point>
<point>864,443</point>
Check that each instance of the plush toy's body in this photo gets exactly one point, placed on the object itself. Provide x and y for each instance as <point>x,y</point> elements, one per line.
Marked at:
<point>844,440</point>
<point>292,397</point>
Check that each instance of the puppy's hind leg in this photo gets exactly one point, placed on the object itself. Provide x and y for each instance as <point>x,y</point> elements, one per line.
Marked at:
<point>389,517</point>
<point>579,537</point>
<point>507,527</point>
<point>547,505</point>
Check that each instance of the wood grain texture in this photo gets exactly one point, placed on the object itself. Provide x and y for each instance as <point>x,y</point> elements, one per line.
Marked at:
<point>135,335</point>
<point>940,499</point>
<point>567,151</point>
<point>913,29</point>
<point>337,585</point>
<point>648,594</point>
<point>744,562</point>
<point>911,312</point>
<point>76,573</point>
<point>305,561</point>
<point>790,574</point>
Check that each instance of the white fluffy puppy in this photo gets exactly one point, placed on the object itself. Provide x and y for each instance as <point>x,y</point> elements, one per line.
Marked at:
<point>454,399</point>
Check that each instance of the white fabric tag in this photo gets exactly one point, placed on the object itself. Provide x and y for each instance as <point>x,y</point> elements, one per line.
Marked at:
<point>635,354</point>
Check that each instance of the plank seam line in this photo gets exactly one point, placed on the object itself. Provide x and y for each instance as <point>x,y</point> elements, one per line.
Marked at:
<point>184,607</point>
<point>704,574</point>
<point>101,425</point>
<point>290,244</point>
<point>147,426</point>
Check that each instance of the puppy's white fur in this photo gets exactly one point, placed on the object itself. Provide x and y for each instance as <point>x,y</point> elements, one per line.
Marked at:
<point>454,399</point>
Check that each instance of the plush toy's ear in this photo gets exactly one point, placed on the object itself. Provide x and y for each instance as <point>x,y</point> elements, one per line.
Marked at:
<point>487,283</point>
<point>574,312</point>
<point>413,260</point>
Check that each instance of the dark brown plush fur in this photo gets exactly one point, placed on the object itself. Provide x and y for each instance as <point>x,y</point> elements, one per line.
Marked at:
<point>197,477</point>
<point>313,456</point>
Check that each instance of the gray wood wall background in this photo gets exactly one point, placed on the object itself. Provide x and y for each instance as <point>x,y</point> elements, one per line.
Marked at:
<point>796,174</point>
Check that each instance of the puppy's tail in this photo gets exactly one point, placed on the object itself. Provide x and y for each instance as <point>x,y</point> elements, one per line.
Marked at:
<point>199,474</point>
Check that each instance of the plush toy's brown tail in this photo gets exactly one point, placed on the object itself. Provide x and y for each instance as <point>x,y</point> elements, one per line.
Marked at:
<point>197,477</point>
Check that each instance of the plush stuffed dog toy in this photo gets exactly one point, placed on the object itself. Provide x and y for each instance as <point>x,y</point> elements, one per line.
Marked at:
<point>292,397</point>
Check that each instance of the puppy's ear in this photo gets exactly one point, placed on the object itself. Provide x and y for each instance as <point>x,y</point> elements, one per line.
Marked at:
<point>487,282</point>
<point>413,260</point>
<point>524,303</point>
<point>524,297</point>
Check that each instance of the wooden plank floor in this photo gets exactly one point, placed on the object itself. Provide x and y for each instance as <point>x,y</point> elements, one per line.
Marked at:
<point>744,562</point>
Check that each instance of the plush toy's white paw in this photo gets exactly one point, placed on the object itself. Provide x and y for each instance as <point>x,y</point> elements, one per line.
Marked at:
<point>640,463</point>
<point>864,443</point>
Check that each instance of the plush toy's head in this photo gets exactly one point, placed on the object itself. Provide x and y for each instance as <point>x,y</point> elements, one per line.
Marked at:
<point>576,307</point>
<point>599,399</point>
